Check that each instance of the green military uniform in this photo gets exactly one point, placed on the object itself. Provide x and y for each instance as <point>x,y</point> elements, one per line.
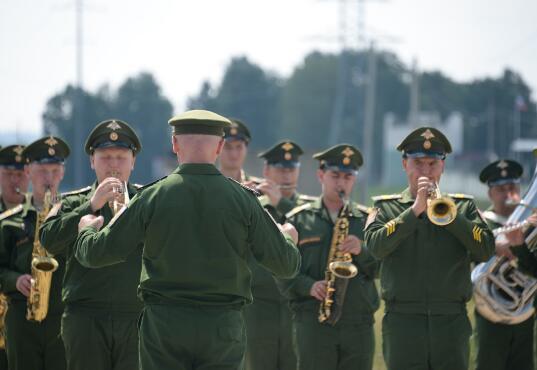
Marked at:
<point>30,345</point>
<point>101,303</point>
<point>198,229</point>
<point>10,157</point>
<point>349,343</point>
<point>503,346</point>
<point>268,318</point>
<point>425,270</point>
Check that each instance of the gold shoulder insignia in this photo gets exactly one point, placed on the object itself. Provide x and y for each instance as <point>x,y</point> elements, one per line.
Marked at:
<point>460,196</point>
<point>371,217</point>
<point>297,210</point>
<point>11,212</point>
<point>387,197</point>
<point>308,198</point>
<point>250,190</point>
<point>78,191</point>
<point>362,208</point>
<point>138,186</point>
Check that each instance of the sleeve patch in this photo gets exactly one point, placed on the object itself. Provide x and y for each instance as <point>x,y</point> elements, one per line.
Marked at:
<point>390,227</point>
<point>477,231</point>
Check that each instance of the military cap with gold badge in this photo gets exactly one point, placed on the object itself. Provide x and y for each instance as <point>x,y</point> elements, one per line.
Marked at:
<point>425,142</point>
<point>237,131</point>
<point>199,122</point>
<point>11,157</point>
<point>113,133</point>
<point>283,154</point>
<point>49,149</point>
<point>341,158</point>
<point>504,171</point>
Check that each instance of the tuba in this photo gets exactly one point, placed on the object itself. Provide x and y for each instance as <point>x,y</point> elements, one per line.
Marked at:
<point>501,291</point>
<point>339,269</point>
<point>440,210</point>
<point>43,265</point>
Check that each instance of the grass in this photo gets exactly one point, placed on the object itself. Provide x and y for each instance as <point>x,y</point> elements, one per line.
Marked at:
<point>379,361</point>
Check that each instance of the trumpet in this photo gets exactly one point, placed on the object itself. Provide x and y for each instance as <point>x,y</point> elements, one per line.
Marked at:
<point>259,180</point>
<point>122,197</point>
<point>440,210</point>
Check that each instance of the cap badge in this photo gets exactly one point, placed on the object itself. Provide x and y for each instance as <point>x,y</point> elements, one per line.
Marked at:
<point>113,136</point>
<point>502,165</point>
<point>427,135</point>
<point>233,131</point>
<point>51,142</point>
<point>287,146</point>
<point>18,151</point>
<point>503,173</point>
<point>287,156</point>
<point>113,126</point>
<point>348,152</point>
<point>51,151</point>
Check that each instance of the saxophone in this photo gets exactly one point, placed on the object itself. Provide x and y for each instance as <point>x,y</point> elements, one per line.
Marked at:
<point>43,265</point>
<point>339,269</point>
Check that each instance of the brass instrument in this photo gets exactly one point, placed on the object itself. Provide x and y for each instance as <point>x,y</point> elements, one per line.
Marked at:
<point>258,180</point>
<point>440,210</point>
<point>123,192</point>
<point>339,269</point>
<point>43,265</point>
<point>3,312</point>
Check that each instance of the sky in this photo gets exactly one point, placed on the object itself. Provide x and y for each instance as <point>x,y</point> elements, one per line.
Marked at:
<point>185,42</point>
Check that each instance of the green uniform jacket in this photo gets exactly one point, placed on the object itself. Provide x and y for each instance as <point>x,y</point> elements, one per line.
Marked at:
<point>198,228</point>
<point>425,268</point>
<point>17,233</point>
<point>111,288</point>
<point>315,229</point>
<point>263,284</point>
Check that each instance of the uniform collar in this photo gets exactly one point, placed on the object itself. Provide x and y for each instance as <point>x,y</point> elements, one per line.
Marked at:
<point>197,169</point>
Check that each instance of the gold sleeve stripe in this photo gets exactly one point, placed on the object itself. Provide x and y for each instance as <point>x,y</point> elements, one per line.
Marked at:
<point>390,227</point>
<point>477,231</point>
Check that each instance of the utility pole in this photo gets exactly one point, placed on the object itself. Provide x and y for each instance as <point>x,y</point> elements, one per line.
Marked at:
<point>79,97</point>
<point>369,121</point>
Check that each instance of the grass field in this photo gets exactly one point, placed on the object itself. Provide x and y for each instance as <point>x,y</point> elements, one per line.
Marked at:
<point>379,361</point>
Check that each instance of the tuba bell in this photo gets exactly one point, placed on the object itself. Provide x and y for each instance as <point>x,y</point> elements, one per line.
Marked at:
<point>502,292</point>
<point>441,210</point>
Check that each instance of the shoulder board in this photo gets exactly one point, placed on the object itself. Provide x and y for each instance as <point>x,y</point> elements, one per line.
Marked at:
<point>11,212</point>
<point>141,187</point>
<point>78,191</point>
<point>297,210</point>
<point>250,190</point>
<point>460,196</point>
<point>308,198</point>
<point>362,208</point>
<point>387,197</point>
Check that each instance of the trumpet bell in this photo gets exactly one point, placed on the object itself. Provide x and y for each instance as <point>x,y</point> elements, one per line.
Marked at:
<point>441,211</point>
<point>343,269</point>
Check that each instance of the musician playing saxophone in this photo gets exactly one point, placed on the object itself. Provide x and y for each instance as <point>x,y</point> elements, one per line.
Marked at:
<point>348,341</point>
<point>101,306</point>
<point>503,346</point>
<point>425,267</point>
<point>32,345</point>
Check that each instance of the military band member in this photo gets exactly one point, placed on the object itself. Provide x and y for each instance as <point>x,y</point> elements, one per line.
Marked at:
<point>101,306</point>
<point>502,346</point>
<point>13,188</point>
<point>349,343</point>
<point>32,345</point>
<point>425,267</point>
<point>268,318</point>
<point>231,160</point>
<point>198,228</point>
<point>13,179</point>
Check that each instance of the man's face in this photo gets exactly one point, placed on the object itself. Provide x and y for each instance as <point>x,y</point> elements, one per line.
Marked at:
<point>287,178</point>
<point>415,168</point>
<point>505,197</point>
<point>13,184</point>
<point>233,154</point>
<point>112,162</point>
<point>334,182</point>
<point>45,176</point>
